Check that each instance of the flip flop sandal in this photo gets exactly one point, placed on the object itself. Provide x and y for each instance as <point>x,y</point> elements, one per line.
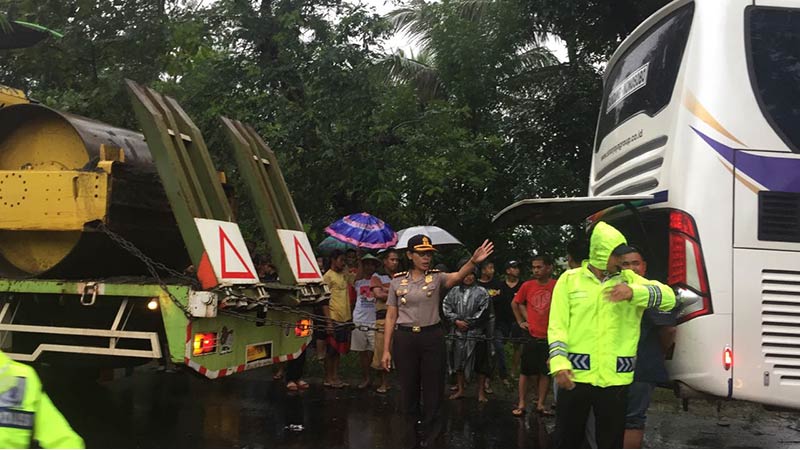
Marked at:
<point>518,412</point>
<point>544,412</point>
<point>302,385</point>
<point>382,390</point>
<point>292,386</point>
<point>277,376</point>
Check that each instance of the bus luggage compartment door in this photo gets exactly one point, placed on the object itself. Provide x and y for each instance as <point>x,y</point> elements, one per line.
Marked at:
<point>767,327</point>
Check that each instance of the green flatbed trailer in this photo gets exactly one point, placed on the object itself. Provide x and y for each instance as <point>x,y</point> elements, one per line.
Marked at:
<point>214,319</point>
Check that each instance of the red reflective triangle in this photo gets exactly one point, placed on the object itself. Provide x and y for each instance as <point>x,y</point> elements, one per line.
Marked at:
<point>298,248</point>
<point>246,274</point>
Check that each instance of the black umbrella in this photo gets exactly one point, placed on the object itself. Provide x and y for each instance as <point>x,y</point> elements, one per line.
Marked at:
<point>18,34</point>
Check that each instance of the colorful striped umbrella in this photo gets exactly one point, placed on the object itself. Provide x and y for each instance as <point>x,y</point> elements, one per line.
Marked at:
<point>363,230</point>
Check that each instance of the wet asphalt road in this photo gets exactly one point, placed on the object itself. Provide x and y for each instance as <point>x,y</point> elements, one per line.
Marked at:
<point>152,409</point>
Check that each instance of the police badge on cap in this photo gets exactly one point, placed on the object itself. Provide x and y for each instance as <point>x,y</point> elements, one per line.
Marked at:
<point>421,243</point>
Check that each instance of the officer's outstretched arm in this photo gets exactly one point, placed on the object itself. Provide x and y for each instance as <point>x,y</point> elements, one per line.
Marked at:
<point>651,294</point>
<point>558,328</point>
<point>51,429</point>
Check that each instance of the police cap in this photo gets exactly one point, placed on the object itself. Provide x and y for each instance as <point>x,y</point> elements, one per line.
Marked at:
<point>420,243</point>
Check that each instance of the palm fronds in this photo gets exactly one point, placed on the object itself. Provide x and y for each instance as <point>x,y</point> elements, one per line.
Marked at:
<point>419,72</point>
<point>414,21</point>
<point>5,24</point>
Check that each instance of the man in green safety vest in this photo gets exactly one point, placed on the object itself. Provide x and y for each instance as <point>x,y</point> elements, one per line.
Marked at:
<point>27,416</point>
<point>595,318</point>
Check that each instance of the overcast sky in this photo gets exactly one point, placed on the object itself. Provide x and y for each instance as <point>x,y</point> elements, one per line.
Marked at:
<point>402,42</point>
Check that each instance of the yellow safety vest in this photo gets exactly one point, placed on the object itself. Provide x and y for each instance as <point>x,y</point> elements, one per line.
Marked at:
<point>27,416</point>
<point>591,336</point>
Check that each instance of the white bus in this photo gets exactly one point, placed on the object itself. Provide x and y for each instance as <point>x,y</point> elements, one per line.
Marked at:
<point>698,146</point>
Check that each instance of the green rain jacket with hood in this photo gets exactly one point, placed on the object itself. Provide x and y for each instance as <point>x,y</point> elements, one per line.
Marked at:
<point>592,336</point>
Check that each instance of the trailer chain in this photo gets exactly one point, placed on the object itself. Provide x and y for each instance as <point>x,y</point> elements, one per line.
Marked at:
<point>152,266</point>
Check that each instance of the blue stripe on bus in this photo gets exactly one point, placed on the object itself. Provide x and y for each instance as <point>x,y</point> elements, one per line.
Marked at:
<point>773,172</point>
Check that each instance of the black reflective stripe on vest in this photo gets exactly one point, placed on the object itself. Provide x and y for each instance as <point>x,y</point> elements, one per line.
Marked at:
<point>654,299</point>
<point>580,361</point>
<point>626,364</point>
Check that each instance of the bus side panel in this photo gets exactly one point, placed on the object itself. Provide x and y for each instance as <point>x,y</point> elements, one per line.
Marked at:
<point>695,361</point>
<point>767,326</point>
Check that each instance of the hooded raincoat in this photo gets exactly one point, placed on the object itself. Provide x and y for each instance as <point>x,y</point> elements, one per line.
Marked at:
<point>593,337</point>
<point>28,419</point>
<point>470,304</point>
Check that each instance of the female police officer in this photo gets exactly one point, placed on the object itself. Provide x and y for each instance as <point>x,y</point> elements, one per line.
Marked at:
<point>412,319</point>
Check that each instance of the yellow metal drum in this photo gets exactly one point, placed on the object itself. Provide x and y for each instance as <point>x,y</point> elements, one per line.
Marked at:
<point>61,175</point>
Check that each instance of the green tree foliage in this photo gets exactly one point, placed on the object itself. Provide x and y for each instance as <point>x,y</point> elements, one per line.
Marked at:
<point>483,115</point>
<point>104,42</point>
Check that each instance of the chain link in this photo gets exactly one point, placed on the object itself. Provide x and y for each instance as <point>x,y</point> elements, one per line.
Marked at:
<point>148,261</point>
<point>152,266</point>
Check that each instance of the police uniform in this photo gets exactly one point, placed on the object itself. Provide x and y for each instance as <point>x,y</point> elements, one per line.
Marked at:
<point>597,340</point>
<point>27,416</point>
<point>418,347</point>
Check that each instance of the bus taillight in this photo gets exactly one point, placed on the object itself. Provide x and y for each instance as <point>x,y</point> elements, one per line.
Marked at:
<point>727,358</point>
<point>686,268</point>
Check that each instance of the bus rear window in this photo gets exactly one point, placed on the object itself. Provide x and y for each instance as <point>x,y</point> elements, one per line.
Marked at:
<point>774,65</point>
<point>643,78</point>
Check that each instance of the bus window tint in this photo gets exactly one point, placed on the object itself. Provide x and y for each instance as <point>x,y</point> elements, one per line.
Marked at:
<point>648,230</point>
<point>774,64</point>
<point>642,79</point>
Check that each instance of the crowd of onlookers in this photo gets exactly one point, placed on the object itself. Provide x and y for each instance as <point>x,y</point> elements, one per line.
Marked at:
<point>497,329</point>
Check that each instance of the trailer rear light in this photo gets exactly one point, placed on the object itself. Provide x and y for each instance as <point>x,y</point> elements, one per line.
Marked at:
<point>727,358</point>
<point>204,343</point>
<point>302,328</point>
<point>686,269</point>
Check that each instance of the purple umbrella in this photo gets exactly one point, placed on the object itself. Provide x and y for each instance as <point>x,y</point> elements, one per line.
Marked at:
<point>363,230</point>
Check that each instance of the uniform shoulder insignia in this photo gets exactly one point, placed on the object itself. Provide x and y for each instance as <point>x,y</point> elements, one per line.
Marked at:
<point>400,274</point>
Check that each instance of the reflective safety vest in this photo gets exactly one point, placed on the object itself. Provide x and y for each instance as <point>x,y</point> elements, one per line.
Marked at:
<point>27,416</point>
<point>591,336</point>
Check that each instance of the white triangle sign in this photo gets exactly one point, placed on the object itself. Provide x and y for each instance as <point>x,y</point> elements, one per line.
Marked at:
<point>227,251</point>
<point>300,256</point>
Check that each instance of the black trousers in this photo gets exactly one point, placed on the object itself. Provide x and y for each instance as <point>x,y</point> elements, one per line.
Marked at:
<point>295,367</point>
<point>421,364</point>
<point>572,410</point>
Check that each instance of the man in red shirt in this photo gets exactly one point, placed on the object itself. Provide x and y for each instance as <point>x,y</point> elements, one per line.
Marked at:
<point>531,308</point>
